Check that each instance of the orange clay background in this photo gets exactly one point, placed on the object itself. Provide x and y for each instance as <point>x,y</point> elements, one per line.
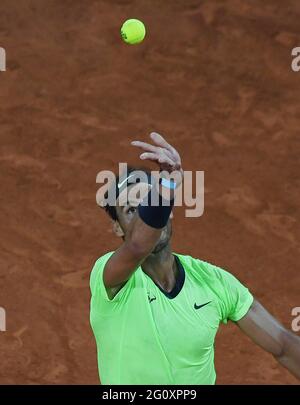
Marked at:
<point>215,78</point>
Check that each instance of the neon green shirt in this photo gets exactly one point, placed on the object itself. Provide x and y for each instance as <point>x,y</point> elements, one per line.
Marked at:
<point>144,336</point>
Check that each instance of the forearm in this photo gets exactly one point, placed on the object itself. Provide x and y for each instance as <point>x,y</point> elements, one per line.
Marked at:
<point>138,243</point>
<point>290,356</point>
<point>145,227</point>
<point>271,335</point>
<point>140,240</point>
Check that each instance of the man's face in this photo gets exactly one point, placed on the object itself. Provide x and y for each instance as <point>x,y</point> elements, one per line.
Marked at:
<point>126,208</point>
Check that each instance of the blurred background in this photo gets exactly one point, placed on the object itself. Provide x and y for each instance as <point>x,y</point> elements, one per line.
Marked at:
<point>215,78</point>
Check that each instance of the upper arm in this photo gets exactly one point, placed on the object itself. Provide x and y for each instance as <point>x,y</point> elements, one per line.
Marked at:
<point>102,300</point>
<point>234,298</point>
<point>119,267</point>
<point>263,329</point>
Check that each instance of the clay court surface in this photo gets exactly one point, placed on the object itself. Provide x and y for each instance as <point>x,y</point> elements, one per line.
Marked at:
<point>215,78</point>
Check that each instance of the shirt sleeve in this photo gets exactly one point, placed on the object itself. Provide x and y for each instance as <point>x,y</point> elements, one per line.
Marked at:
<point>236,298</point>
<point>233,298</point>
<point>97,286</point>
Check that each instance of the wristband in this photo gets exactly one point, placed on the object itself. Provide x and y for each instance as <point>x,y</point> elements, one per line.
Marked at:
<point>156,216</point>
<point>170,184</point>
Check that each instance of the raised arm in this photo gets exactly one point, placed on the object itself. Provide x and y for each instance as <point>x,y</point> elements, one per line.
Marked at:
<point>269,334</point>
<point>145,227</point>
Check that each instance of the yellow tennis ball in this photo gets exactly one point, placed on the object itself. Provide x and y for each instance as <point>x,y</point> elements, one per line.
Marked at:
<point>133,31</point>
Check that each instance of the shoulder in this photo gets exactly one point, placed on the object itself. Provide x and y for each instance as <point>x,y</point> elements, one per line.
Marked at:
<point>103,259</point>
<point>98,267</point>
<point>210,275</point>
<point>232,297</point>
<point>202,269</point>
<point>97,287</point>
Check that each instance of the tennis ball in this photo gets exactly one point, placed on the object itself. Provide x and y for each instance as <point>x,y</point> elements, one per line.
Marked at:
<point>133,31</point>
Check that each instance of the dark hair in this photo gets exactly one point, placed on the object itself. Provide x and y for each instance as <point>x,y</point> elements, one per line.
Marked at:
<point>111,209</point>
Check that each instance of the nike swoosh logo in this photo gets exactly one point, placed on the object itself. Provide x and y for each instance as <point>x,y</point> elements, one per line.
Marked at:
<point>124,181</point>
<point>200,306</point>
<point>152,299</point>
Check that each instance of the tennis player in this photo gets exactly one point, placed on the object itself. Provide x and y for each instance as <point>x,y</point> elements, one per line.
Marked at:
<point>155,313</point>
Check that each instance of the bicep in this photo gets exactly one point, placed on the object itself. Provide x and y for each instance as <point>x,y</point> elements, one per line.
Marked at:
<point>263,328</point>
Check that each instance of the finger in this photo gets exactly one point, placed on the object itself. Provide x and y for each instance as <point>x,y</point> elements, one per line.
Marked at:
<point>160,141</point>
<point>149,156</point>
<point>160,158</point>
<point>144,145</point>
<point>171,152</point>
<point>166,160</point>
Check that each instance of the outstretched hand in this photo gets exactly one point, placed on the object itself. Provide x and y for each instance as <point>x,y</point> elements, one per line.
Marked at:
<point>165,155</point>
